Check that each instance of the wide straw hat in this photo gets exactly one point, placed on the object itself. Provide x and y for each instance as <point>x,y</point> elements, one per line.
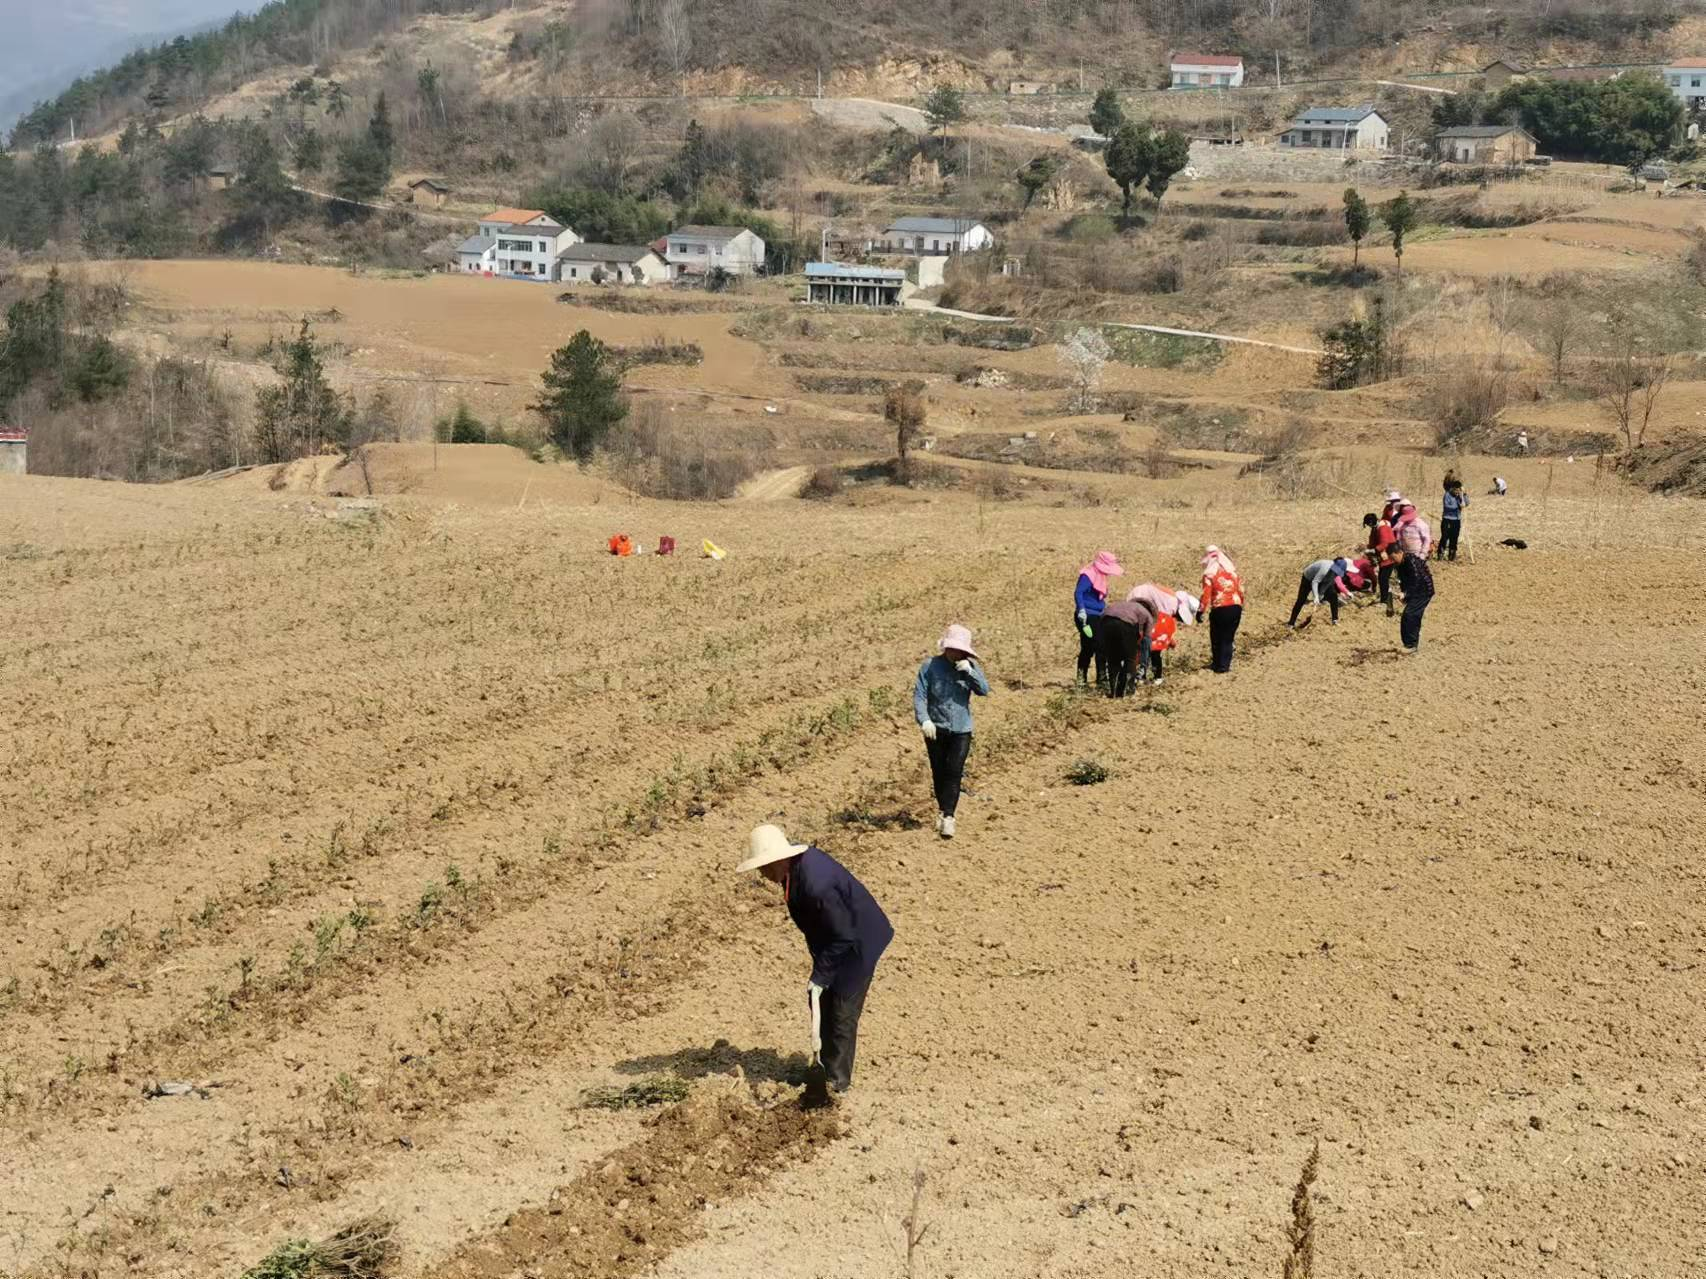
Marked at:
<point>768,844</point>
<point>957,637</point>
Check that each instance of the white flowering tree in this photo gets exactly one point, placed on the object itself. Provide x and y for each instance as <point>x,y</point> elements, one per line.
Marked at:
<point>1084,353</point>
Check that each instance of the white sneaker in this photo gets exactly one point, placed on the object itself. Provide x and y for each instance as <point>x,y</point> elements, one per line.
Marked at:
<point>1159,681</point>
<point>947,828</point>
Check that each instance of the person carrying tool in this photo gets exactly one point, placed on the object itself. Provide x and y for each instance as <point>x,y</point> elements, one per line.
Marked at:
<point>1127,629</point>
<point>846,933</point>
<point>941,700</point>
<point>1088,599</point>
<point>1223,602</point>
<point>1172,609</point>
<point>1451,520</point>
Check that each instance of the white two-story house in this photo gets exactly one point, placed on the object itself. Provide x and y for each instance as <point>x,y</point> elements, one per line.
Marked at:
<point>1686,77</point>
<point>1205,71</point>
<point>1339,129</point>
<point>516,242</point>
<point>697,250</point>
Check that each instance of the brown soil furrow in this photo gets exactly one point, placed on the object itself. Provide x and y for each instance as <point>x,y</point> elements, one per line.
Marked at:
<point>648,1198</point>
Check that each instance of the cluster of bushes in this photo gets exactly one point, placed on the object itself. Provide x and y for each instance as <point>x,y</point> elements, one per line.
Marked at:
<point>1625,121</point>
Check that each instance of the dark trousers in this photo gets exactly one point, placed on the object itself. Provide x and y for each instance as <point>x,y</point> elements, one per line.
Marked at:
<point>1155,663</point>
<point>1223,622</point>
<point>1330,590</point>
<point>947,753</point>
<point>1418,584</point>
<point>839,1009</point>
<point>1121,642</point>
<point>1089,646</point>
<point>1386,583</point>
<point>1448,531</point>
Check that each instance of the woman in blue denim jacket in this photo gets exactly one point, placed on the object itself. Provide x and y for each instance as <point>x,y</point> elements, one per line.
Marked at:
<point>941,700</point>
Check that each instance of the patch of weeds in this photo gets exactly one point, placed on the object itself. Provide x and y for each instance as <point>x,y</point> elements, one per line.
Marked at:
<point>660,1091</point>
<point>327,930</point>
<point>365,1249</point>
<point>1087,772</point>
<point>1158,708</point>
<point>336,851</point>
<point>207,914</point>
<point>427,908</point>
<point>1162,350</point>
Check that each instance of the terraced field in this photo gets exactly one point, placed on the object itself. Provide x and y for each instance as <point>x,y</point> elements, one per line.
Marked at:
<point>394,833</point>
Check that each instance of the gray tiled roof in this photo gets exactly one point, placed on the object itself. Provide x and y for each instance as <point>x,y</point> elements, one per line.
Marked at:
<point>935,226</point>
<point>604,253</point>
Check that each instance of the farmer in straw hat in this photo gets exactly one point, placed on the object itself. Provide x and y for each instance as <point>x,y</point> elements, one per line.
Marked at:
<point>941,699</point>
<point>846,933</point>
<point>1089,598</point>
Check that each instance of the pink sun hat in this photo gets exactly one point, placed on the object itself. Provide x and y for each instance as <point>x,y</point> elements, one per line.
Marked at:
<point>959,638</point>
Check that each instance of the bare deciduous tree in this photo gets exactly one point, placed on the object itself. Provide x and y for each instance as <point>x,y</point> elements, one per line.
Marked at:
<point>1559,322</point>
<point>675,36</point>
<point>1084,354</point>
<point>1629,383</point>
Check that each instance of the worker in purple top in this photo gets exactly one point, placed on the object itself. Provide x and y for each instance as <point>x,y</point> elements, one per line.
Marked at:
<point>845,931</point>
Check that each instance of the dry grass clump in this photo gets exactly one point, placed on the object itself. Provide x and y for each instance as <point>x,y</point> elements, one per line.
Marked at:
<point>661,1091</point>
<point>364,1249</point>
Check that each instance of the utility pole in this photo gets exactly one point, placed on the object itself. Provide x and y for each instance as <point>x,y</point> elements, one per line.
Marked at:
<point>1277,82</point>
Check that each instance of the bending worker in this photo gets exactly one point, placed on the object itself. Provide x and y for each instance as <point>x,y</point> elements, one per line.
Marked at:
<point>941,699</point>
<point>1088,599</point>
<point>846,933</point>
<point>1128,628</point>
<point>1331,581</point>
<point>1172,609</point>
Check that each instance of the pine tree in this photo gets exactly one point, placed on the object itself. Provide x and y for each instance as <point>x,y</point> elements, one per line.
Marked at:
<point>1106,114</point>
<point>1169,153</point>
<point>582,399</point>
<point>1400,216</point>
<point>379,131</point>
<point>1357,221</point>
<point>302,415</point>
<point>1130,157</point>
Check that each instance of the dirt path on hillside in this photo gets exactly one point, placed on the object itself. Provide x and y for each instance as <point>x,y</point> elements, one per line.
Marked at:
<point>774,486</point>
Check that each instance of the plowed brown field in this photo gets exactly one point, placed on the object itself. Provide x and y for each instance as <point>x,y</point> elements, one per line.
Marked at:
<point>398,833</point>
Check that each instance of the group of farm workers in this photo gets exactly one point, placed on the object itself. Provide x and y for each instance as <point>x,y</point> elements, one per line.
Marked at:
<point>846,930</point>
<point>1126,638</point>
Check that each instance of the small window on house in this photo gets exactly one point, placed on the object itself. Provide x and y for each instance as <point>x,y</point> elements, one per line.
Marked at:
<point>1676,82</point>
<point>1694,83</point>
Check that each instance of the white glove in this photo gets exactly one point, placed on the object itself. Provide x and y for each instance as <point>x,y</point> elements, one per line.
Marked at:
<point>963,666</point>
<point>929,729</point>
<point>814,998</point>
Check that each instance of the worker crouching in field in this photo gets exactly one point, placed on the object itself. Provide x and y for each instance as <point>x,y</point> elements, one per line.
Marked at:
<point>1089,597</point>
<point>1127,629</point>
<point>1332,582</point>
<point>1223,602</point>
<point>845,931</point>
<point>941,699</point>
<point>1172,609</point>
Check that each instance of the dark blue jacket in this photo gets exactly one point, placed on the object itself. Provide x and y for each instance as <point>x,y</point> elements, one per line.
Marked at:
<point>846,931</point>
<point>1086,599</point>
